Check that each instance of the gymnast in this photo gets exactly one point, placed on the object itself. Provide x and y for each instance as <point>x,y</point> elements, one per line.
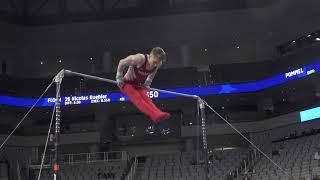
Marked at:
<point>142,68</point>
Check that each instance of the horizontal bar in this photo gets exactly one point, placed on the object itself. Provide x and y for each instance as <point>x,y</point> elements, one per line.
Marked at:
<point>68,72</point>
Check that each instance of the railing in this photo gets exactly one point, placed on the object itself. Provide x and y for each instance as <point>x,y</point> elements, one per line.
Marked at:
<point>132,172</point>
<point>81,158</point>
<point>247,165</point>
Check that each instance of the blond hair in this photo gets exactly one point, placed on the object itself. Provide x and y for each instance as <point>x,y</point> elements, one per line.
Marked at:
<point>159,52</point>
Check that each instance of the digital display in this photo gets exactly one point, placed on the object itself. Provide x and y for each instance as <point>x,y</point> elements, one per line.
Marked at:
<point>200,91</point>
<point>310,114</point>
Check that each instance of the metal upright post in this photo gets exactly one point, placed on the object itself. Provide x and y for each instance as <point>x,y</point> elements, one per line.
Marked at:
<point>204,138</point>
<point>58,80</point>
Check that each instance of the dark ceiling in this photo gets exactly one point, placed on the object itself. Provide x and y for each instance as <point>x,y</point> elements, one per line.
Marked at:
<point>45,12</point>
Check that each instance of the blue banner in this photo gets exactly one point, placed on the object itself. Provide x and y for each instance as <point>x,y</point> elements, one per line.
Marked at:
<point>200,91</point>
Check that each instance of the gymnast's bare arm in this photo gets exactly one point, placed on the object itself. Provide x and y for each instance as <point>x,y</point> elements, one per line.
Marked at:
<point>132,60</point>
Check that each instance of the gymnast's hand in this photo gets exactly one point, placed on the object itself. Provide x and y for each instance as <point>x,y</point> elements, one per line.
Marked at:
<point>119,78</point>
<point>146,86</point>
<point>147,83</point>
<point>120,84</point>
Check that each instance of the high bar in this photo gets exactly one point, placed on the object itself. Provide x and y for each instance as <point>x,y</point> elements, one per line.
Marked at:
<point>68,72</point>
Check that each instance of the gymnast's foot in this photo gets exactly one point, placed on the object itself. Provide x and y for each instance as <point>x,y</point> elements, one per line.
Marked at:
<point>162,117</point>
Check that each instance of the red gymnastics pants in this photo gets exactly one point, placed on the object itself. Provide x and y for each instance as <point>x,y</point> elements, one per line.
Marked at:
<point>140,99</point>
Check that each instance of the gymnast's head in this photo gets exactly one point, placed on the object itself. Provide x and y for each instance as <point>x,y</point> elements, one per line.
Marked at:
<point>157,57</point>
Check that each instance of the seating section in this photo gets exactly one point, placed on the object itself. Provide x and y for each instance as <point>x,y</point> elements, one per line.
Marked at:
<point>92,171</point>
<point>4,168</point>
<point>15,157</point>
<point>184,166</point>
<point>292,147</point>
<point>296,157</point>
<point>294,153</point>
